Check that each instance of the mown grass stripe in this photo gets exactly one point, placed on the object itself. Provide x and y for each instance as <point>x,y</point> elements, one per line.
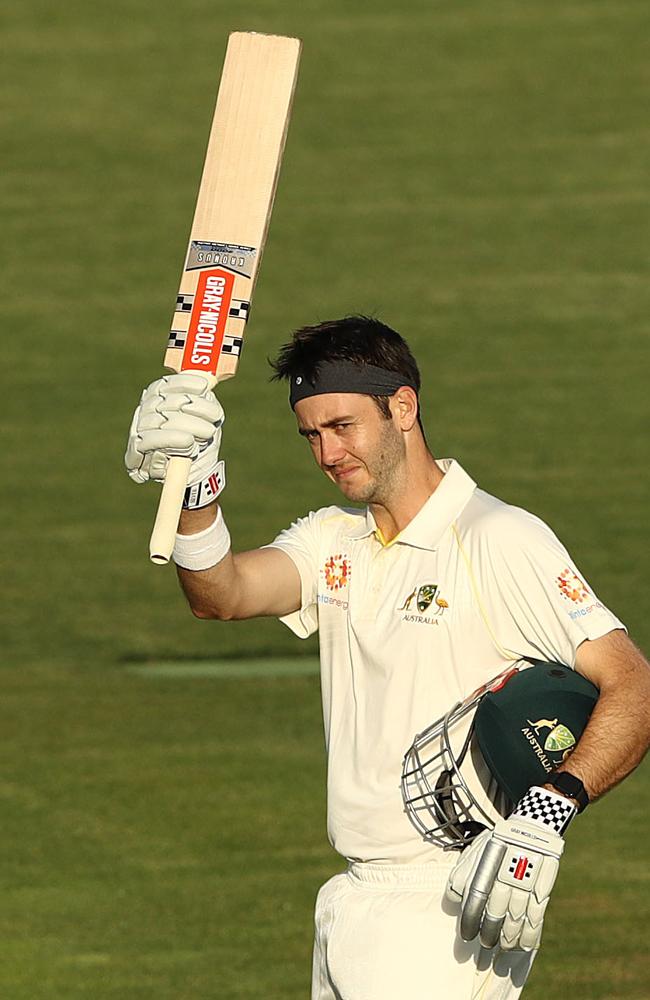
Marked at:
<point>271,667</point>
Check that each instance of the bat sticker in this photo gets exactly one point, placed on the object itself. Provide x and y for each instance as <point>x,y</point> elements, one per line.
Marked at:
<point>184,303</point>
<point>239,309</point>
<point>238,259</point>
<point>208,320</point>
<point>177,339</point>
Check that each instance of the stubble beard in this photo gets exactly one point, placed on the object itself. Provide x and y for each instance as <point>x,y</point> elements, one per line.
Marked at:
<point>385,469</point>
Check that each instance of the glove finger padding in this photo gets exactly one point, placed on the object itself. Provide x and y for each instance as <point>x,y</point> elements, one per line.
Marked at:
<point>202,466</point>
<point>463,871</point>
<point>193,428</point>
<point>191,383</point>
<point>496,909</point>
<point>207,407</point>
<point>171,441</point>
<point>531,932</point>
<point>178,415</point>
<point>504,879</point>
<point>133,458</point>
<point>530,926</point>
<point>477,893</point>
<point>158,404</point>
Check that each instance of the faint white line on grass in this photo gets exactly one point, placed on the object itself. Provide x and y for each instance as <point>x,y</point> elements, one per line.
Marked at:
<point>271,668</point>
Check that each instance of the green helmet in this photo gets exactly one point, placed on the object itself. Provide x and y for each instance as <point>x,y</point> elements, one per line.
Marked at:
<point>513,731</point>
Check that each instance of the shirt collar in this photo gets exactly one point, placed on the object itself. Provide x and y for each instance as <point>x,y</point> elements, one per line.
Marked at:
<point>438,513</point>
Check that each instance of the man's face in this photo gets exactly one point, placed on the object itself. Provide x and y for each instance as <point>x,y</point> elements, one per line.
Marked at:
<point>354,444</point>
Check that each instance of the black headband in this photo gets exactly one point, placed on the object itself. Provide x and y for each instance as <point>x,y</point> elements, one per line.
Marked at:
<point>347,376</point>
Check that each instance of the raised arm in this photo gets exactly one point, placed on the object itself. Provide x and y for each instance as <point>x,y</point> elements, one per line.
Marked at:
<point>241,585</point>
<point>178,415</point>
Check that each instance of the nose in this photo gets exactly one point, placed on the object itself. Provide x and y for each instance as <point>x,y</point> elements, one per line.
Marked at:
<point>331,449</point>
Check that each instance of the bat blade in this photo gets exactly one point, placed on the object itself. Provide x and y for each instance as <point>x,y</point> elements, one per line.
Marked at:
<point>229,229</point>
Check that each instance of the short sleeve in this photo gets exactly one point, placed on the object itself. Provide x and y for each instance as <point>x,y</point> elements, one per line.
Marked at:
<point>537,600</point>
<point>301,543</point>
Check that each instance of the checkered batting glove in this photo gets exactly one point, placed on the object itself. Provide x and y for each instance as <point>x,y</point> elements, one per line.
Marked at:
<point>503,880</point>
<point>178,415</point>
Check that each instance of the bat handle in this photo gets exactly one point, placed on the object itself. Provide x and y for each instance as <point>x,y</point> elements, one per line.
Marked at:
<point>169,509</point>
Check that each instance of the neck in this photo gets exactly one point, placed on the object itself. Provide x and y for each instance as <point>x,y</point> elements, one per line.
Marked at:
<point>422,478</point>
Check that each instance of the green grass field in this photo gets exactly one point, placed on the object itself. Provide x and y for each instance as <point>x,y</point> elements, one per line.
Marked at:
<point>474,174</point>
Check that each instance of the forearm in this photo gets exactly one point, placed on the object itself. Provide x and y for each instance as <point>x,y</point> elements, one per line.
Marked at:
<point>254,584</point>
<point>618,734</point>
<point>193,521</point>
<point>613,744</point>
<point>211,593</point>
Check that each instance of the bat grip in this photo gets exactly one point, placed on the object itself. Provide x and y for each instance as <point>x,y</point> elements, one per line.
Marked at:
<point>169,509</point>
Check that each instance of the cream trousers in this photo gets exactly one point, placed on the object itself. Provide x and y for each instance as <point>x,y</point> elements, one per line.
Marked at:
<point>386,932</point>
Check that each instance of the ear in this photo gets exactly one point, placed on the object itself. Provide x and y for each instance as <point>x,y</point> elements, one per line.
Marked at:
<point>404,407</point>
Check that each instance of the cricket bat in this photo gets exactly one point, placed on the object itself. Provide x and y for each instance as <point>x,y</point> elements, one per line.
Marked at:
<point>230,224</point>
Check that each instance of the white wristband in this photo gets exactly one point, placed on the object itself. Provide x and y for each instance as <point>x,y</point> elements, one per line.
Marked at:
<point>205,549</point>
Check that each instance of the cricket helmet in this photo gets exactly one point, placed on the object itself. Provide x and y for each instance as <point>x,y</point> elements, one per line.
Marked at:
<point>475,762</point>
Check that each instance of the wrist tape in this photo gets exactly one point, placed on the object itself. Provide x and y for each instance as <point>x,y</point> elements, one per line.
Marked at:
<point>205,549</point>
<point>547,808</point>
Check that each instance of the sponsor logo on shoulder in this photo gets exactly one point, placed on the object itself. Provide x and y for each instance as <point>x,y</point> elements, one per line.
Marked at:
<point>576,591</point>
<point>417,604</point>
<point>335,575</point>
<point>337,572</point>
<point>572,587</point>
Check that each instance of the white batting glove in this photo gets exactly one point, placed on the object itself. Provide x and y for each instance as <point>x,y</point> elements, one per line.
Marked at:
<point>178,415</point>
<point>503,880</point>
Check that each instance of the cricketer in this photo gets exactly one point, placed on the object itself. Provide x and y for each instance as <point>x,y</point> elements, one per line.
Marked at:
<point>422,588</point>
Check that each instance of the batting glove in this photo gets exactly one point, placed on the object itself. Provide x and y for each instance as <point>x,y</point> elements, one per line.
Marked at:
<point>503,880</point>
<point>178,415</point>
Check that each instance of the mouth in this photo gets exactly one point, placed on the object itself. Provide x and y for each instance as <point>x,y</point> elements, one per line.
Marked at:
<point>344,473</point>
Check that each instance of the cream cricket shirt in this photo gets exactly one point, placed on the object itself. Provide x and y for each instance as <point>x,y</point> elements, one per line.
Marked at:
<point>408,629</point>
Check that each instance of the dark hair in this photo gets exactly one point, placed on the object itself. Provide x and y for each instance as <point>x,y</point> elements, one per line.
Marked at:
<point>360,339</point>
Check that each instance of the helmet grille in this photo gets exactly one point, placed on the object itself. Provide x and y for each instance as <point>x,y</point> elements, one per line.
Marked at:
<point>436,796</point>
